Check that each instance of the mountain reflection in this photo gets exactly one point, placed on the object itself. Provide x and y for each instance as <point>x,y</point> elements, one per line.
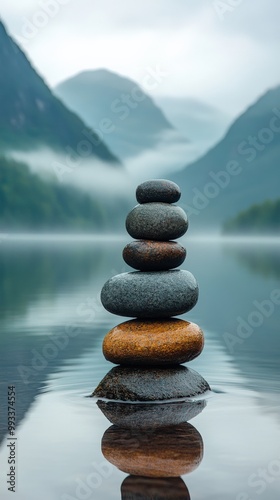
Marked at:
<point>263,260</point>
<point>30,271</point>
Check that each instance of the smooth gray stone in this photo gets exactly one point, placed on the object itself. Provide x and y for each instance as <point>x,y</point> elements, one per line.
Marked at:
<point>150,384</point>
<point>159,190</point>
<point>150,415</point>
<point>157,221</point>
<point>159,294</point>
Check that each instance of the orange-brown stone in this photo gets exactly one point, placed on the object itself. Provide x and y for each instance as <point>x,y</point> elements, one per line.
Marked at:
<point>170,452</point>
<point>153,343</point>
<point>150,255</point>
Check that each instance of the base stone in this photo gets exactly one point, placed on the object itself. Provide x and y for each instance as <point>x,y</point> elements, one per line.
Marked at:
<point>150,384</point>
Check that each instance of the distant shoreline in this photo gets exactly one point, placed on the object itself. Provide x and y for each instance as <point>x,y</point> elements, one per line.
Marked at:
<point>103,237</point>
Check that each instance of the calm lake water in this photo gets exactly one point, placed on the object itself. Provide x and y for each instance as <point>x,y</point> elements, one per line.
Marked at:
<point>52,326</point>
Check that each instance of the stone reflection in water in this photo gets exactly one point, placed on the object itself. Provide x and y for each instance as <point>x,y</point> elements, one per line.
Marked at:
<point>162,452</point>
<point>150,416</point>
<point>147,488</point>
<point>155,445</point>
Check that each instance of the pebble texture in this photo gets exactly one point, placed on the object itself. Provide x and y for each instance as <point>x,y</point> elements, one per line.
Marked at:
<point>157,221</point>
<point>150,295</point>
<point>159,190</point>
<point>150,255</point>
<point>152,384</point>
<point>148,488</point>
<point>169,452</point>
<point>153,343</point>
<point>150,415</point>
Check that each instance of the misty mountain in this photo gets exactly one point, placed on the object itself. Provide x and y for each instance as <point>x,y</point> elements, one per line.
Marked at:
<point>122,113</point>
<point>27,202</point>
<point>241,170</point>
<point>30,115</point>
<point>201,123</point>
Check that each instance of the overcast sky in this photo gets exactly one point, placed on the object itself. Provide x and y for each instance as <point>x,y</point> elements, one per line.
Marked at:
<point>225,53</point>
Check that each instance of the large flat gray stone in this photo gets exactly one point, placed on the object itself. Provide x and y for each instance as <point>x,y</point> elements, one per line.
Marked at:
<point>159,294</point>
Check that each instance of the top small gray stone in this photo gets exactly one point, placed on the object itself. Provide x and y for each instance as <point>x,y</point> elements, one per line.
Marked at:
<point>158,190</point>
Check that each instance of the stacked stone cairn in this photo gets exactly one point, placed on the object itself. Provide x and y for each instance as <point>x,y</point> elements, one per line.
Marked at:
<point>151,347</point>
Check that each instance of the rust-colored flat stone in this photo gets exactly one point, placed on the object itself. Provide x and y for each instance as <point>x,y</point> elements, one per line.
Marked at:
<point>153,343</point>
<point>170,452</point>
<point>150,255</point>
